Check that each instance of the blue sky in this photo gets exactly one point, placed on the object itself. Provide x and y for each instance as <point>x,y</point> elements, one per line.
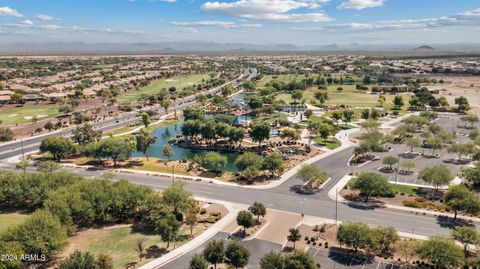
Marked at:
<point>301,22</point>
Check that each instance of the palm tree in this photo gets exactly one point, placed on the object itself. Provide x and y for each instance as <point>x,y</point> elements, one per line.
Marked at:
<point>294,236</point>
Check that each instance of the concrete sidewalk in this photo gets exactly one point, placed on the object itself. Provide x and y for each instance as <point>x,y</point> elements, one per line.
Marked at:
<point>233,209</point>
<point>332,194</point>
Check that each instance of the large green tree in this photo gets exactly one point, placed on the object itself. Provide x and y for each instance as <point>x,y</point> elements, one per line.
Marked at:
<point>258,209</point>
<point>167,227</point>
<point>248,159</point>
<point>245,219</point>
<point>460,198</point>
<point>236,254</point>
<point>115,149</point>
<point>144,141</point>
<point>213,161</point>
<point>354,234</point>
<point>372,184</point>
<point>259,132</point>
<point>49,234</point>
<point>214,252</point>
<point>272,260</point>
<point>441,252</point>
<point>198,262</point>
<point>299,260</point>
<point>177,198</point>
<point>86,134</point>
<point>466,235</point>
<point>58,147</point>
<point>273,163</point>
<point>437,176</point>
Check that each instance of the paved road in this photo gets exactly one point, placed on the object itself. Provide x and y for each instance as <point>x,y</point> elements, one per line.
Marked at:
<point>11,149</point>
<point>319,204</point>
<point>284,198</point>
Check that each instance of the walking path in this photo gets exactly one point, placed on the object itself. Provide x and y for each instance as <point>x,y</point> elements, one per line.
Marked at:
<point>333,193</point>
<point>233,209</point>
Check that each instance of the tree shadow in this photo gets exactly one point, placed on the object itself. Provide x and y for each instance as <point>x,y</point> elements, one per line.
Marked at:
<point>131,265</point>
<point>348,258</point>
<point>450,223</point>
<point>130,163</point>
<point>144,230</point>
<point>364,206</point>
<point>154,252</point>
<point>300,189</point>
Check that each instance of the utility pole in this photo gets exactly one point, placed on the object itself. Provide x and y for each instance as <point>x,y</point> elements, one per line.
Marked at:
<point>173,174</point>
<point>336,206</point>
<point>398,170</point>
<point>23,152</point>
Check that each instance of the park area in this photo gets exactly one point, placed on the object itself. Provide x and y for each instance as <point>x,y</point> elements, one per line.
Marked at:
<point>179,82</point>
<point>27,114</point>
<point>348,96</point>
<point>342,92</point>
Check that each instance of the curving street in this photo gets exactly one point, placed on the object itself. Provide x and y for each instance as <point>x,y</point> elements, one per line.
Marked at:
<point>281,197</point>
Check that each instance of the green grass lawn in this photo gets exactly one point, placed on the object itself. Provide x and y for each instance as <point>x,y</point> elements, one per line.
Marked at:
<point>150,129</point>
<point>155,165</point>
<point>291,77</point>
<point>331,143</point>
<point>180,82</point>
<point>119,243</point>
<point>397,188</point>
<point>272,117</point>
<point>24,114</point>
<point>8,219</point>
<point>349,97</point>
<point>408,190</point>
<point>284,78</point>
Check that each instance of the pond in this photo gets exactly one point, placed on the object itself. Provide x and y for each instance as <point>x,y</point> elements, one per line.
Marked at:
<point>292,108</point>
<point>164,134</point>
<point>238,98</point>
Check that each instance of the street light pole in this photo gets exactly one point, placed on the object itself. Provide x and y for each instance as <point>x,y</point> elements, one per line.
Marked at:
<point>23,152</point>
<point>336,206</point>
<point>173,174</point>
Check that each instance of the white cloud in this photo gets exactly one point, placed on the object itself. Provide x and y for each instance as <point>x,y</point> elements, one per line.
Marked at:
<point>7,11</point>
<point>45,17</point>
<point>223,24</point>
<point>187,30</point>
<point>360,4</point>
<point>27,22</point>
<point>22,24</point>
<point>293,17</point>
<point>49,27</point>
<point>469,18</point>
<point>269,10</point>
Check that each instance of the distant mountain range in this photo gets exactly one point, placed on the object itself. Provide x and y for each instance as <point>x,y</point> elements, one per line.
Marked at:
<point>201,46</point>
<point>424,48</point>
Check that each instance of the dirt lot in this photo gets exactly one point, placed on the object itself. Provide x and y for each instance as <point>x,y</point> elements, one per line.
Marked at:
<point>456,86</point>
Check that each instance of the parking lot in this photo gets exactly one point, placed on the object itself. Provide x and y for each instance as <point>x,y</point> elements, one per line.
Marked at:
<point>448,123</point>
<point>330,259</point>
